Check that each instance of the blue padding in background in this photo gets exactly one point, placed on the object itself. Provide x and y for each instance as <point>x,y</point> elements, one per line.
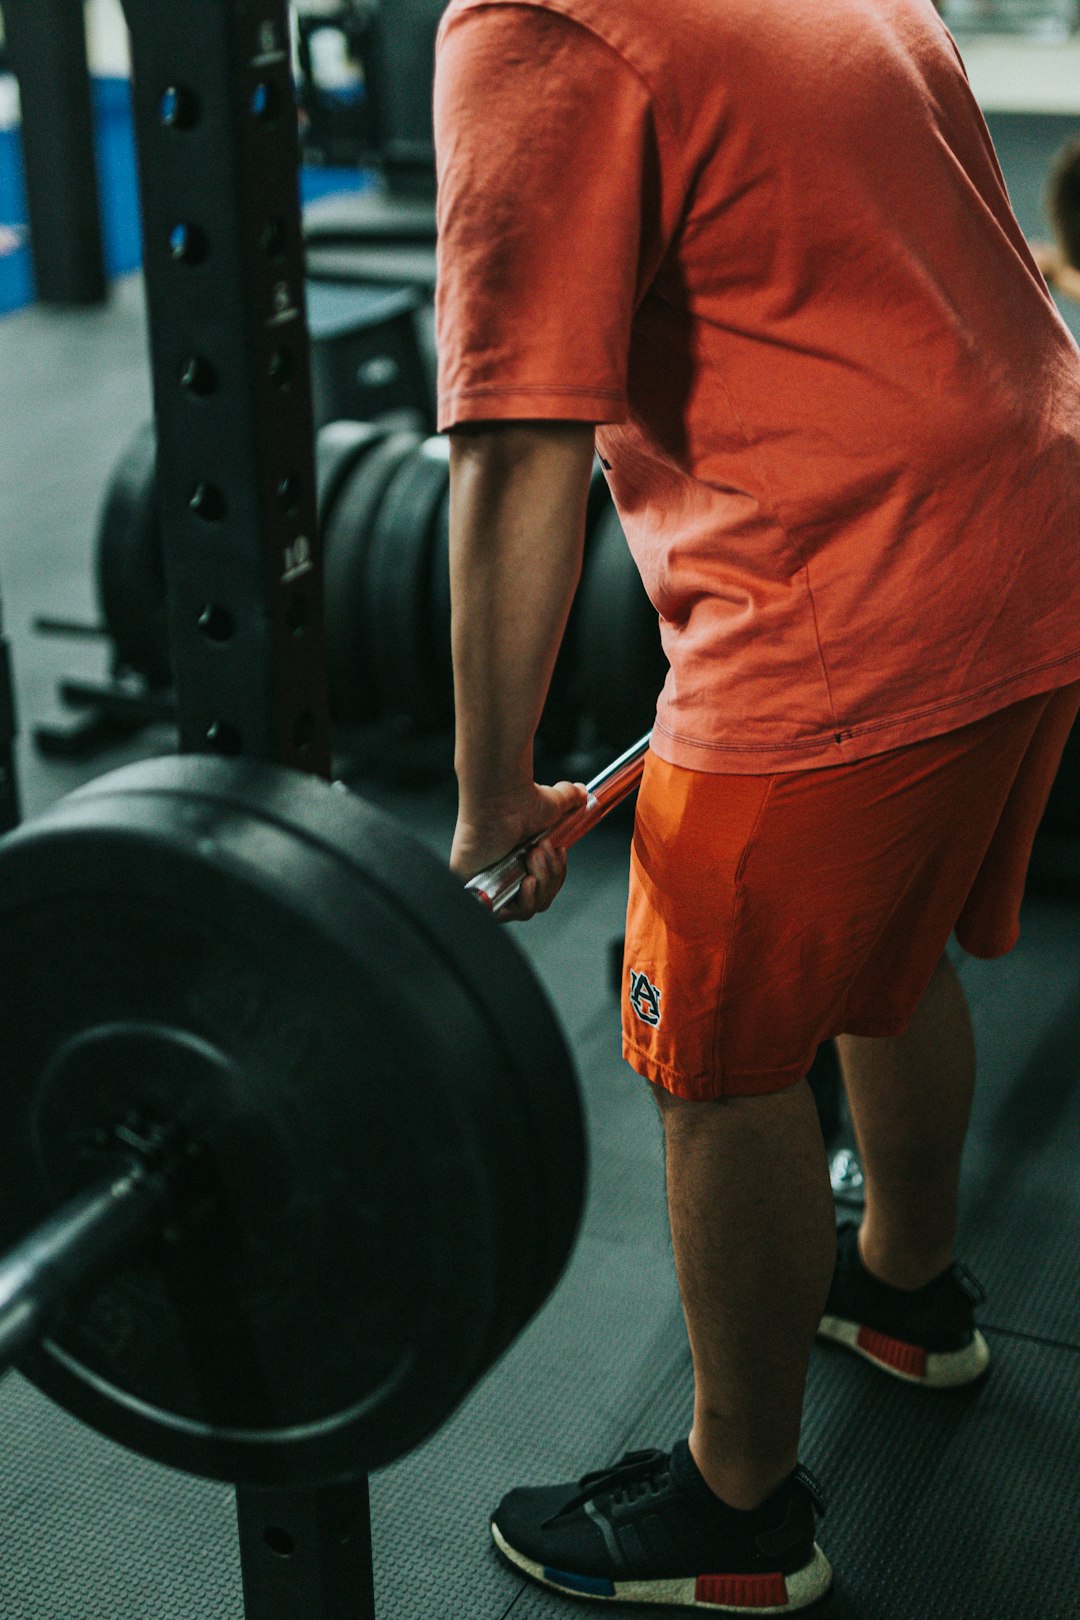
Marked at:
<point>16,285</point>
<point>118,181</point>
<point>315,183</point>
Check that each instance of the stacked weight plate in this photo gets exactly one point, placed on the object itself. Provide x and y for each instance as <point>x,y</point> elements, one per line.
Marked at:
<point>398,621</point>
<point>348,528</point>
<point>384,505</point>
<point>130,571</point>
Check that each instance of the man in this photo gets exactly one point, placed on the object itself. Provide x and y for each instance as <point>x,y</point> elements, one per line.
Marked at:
<point>763,256</point>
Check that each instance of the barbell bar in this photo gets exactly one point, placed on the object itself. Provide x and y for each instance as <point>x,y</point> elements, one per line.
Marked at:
<point>78,1246</point>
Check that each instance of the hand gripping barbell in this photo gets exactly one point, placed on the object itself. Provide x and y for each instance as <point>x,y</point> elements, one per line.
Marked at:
<point>299,1127</point>
<point>498,884</point>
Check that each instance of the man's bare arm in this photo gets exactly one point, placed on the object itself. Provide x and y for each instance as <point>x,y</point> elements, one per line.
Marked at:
<point>517,526</point>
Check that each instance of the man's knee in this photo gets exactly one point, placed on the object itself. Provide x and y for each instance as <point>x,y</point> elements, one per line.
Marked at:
<point>676,1110</point>
<point>688,1113</point>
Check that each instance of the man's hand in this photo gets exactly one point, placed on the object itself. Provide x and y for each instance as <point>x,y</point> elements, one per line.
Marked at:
<point>486,833</point>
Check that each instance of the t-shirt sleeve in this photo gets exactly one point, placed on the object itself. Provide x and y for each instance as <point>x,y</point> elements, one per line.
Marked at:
<point>546,158</point>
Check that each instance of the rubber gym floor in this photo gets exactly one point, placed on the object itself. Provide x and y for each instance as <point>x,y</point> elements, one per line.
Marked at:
<point>960,1505</point>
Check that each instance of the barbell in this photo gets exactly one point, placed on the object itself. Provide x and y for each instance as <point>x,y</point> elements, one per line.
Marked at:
<point>299,1130</point>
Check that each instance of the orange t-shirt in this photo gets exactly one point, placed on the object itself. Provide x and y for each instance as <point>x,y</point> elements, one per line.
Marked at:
<point>768,245</point>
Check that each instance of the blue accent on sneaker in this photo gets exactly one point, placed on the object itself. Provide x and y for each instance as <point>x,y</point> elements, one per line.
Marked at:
<point>580,1583</point>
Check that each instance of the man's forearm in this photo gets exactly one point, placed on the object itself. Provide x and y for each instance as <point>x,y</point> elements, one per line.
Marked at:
<point>517,525</point>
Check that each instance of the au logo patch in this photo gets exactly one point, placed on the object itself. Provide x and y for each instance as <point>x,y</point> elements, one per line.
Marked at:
<point>644,998</point>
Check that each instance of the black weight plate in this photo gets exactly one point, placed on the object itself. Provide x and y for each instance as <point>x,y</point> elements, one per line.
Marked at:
<point>532,1256</point>
<point>285,974</point>
<point>129,563</point>
<point>339,447</point>
<point>617,637</point>
<point>346,538</point>
<point>398,623</point>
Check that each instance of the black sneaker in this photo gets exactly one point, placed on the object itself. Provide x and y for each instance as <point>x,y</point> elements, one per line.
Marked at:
<point>650,1530</point>
<point>925,1337</point>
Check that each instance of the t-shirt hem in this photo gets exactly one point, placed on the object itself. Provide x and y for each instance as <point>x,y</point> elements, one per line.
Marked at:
<point>840,747</point>
<point>531,404</point>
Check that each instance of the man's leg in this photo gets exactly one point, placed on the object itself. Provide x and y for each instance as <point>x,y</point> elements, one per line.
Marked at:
<point>910,1100</point>
<point>754,1235</point>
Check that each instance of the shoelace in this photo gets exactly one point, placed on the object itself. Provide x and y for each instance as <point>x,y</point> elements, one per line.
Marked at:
<point>637,1473</point>
<point>645,1473</point>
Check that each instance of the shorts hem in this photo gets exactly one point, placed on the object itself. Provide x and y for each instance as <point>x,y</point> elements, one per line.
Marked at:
<point>712,1087</point>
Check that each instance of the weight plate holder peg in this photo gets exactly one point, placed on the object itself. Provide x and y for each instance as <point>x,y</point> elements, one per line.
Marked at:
<point>346,539</point>
<point>387,1123</point>
<point>129,566</point>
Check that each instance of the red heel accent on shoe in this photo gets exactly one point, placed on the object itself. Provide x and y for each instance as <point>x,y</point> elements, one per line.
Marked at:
<point>742,1591</point>
<point>906,1358</point>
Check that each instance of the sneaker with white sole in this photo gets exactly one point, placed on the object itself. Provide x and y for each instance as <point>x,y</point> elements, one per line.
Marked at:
<point>649,1530</point>
<point>927,1336</point>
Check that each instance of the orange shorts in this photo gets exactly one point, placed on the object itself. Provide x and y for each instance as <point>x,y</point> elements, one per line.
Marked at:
<point>768,913</point>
